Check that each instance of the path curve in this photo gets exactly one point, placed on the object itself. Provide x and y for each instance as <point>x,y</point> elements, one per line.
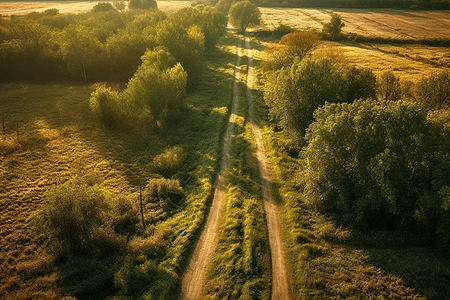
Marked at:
<point>194,279</point>
<point>280,288</point>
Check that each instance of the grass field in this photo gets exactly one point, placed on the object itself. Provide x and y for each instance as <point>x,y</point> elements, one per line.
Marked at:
<point>59,139</point>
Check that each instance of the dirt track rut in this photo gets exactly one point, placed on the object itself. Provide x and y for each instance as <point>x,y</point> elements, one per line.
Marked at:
<point>194,279</point>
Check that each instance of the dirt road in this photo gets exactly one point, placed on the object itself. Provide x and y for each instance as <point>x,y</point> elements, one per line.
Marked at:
<point>280,288</point>
<point>193,281</point>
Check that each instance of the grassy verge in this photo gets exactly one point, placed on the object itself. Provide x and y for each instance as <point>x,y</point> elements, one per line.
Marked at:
<point>241,268</point>
<point>59,139</point>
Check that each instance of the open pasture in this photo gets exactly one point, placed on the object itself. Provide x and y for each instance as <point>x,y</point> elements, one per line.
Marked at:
<point>386,23</point>
<point>74,7</point>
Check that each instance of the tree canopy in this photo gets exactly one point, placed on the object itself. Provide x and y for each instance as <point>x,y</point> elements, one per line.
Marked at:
<point>244,14</point>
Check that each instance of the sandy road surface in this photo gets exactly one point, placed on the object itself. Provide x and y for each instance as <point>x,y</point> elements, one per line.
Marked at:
<point>193,280</point>
<point>280,288</point>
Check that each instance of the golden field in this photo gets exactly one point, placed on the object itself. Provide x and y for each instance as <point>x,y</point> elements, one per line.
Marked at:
<point>386,23</point>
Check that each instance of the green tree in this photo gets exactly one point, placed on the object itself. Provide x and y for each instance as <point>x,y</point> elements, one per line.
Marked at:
<point>388,87</point>
<point>293,94</point>
<point>332,30</point>
<point>143,4</point>
<point>186,45</point>
<point>154,89</point>
<point>244,14</point>
<point>119,5</point>
<point>223,6</point>
<point>369,163</point>
<point>434,91</point>
<point>361,82</point>
<point>102,6</point>
<point>79,48</point>
<point>299,44</point>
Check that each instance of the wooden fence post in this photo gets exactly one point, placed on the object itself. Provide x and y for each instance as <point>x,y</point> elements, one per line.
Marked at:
<point>142,207</point>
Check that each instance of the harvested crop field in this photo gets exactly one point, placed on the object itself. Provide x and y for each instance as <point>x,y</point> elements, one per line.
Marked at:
<point>74,7</point>
<point>387,23</point>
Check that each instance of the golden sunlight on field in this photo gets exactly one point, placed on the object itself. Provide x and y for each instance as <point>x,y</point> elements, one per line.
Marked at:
<point>392,23</point>
<point>408,62</point>
<point>23,8</point>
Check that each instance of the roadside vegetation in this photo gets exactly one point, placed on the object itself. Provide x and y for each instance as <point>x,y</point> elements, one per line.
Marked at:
<point>360,163</point>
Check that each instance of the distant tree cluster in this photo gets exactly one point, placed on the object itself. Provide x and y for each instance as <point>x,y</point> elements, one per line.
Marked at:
<point>373,151</point>
<point>104,44</point>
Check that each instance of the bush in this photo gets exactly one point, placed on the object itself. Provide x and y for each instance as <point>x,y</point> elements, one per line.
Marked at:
<point>169,162</point>
<point>163,192</point>
<point>70,216</point>
<point>105,104</point>
<point>370,163</point>
<point>362,83</point>
<point>282,29</point>
<point>299,44</point>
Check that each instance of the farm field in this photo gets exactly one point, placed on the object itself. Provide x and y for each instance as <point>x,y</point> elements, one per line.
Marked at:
<point>73,7</point>
<point>386,23</point>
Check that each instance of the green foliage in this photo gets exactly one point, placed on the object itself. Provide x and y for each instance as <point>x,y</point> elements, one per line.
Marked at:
<point>293,94</point>
<point>332,30</point>
<point>143,4</point>
<point>434,91</point>
<point>102,6</point>
<point>282,29</point>
<point>243,14</point>
<point>223,6</point>
<point>119,5</point>
<point>389,87</point>
<point>186,44</point>
<point>79,48</point>
<point>70,216</point>
<point>169,162</point>
<point>164,192</point>
<point>362,83</point>
<point>106,106</point>
<point>124,215</point>
<point>299,44</point>
<point>369,164</point>
<point>51,12</point>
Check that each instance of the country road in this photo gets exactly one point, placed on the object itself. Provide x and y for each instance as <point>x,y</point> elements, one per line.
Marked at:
<point>194,279</point>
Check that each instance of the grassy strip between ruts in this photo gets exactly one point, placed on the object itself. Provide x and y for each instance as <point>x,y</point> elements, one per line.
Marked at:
<point>323,261</point>
<point>58,140</point>
<point>241,267</point>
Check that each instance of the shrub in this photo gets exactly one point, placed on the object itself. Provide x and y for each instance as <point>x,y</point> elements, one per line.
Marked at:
<point>434,91</point>
<point>124,215</point>
<point>105,104</point>
<point>119,5</point>
<point>163,192</point>
<point>282,30</point>
<point>51,12</point>
<point>169,162</point>
<point>369,163</point>
<point>70,216</point>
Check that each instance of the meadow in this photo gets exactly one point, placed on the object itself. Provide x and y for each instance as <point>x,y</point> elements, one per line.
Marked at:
<point>50,135</point>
